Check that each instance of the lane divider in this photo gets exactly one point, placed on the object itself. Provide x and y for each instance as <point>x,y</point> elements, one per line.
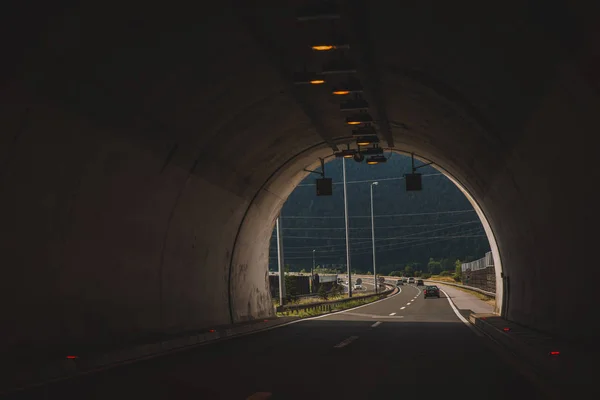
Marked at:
<point>402,308</point>
<point>393,313</point>
<point>376,324</point>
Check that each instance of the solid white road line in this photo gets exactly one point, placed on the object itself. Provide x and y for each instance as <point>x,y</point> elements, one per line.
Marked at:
<point>459,315</point>
<point>346,342</point>
<point>376,324</point>
<point>402,308</point>
<point>393,313</point>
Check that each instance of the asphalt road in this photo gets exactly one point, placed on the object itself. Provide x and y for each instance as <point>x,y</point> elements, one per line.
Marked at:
<point>401,347</point>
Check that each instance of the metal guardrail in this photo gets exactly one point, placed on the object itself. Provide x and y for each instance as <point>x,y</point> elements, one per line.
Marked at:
<point>491,294</point>
<point>329,305</point>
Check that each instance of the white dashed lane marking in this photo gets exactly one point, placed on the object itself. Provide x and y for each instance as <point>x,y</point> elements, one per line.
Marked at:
<point>346,342</point>
<point>376,324</point>
<point>393,313</point>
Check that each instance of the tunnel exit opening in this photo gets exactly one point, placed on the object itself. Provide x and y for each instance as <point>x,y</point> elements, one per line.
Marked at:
<point>290,175</point>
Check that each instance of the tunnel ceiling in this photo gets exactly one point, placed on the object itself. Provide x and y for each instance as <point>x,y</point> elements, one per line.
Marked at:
<point>216,86</point>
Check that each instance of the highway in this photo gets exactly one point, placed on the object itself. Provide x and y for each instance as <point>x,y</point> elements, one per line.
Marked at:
<point>400,347</point>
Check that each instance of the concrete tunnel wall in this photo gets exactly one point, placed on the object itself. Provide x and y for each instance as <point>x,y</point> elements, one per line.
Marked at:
<point>140,185</point>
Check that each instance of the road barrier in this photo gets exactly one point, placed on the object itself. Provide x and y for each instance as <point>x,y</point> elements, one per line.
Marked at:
<point>491,294</point>
<point>330,305</point>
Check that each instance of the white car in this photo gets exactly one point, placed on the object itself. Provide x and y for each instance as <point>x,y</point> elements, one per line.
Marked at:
<point>411,280</point>
<point>358,287</point>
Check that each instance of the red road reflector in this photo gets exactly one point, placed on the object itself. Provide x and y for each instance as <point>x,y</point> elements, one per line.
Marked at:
<point>266,320</point>
<point>72,357</point>
<point>554,353</point>
<point>506,329</point>
<point>212,331</point>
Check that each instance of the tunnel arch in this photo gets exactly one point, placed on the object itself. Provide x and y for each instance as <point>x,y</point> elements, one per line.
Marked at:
<point>107,176</point>
<point>290,176</point>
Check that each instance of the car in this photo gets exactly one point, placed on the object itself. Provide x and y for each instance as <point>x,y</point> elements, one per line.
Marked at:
<point>399,282</point>
<point>411,280</point>
<point>358,287</point>
<point>420,282</point>
<point>431,291</point>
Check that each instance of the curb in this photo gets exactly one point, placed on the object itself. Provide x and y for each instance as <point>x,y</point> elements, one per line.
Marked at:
<point>538,356</point>
<point>69,368</point>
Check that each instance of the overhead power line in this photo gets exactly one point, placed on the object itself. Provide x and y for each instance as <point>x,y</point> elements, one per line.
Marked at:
<point>368,181</point>
<point>389,238</point>
<point>379,216</point>
<point>474,231</point>
<point>360,252</point>
<point>369,228</point>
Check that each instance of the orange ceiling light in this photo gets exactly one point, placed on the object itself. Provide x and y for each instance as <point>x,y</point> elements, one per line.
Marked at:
<point>348,153</point>
<point>323,47</point>
<point>359,118</point>
<point>308,78</point>
<point>376,160</point>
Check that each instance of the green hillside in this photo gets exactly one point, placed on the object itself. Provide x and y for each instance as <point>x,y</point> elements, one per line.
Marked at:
<point>410,227</point>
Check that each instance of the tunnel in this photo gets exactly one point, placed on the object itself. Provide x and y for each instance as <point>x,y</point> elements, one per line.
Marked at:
<point>147,151</point>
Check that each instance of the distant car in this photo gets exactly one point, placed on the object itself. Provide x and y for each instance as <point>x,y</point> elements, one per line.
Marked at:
<point>431,291</point>
<point>404,279</point>
<point>420,282</point>
<point>399,282</point>
<point>358,287</point>
<point>411,280</point>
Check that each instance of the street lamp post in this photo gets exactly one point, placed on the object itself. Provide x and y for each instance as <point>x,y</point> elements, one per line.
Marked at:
<point>280,262</point>
<point>312,282</point>
<point>348,267</point>
<point>373,237</point>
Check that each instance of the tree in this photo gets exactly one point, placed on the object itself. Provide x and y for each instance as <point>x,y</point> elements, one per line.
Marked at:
<point>457,271</point>
<point>323,292</point>
<point>396,273</point>
<point>408,271</point>
<point>337,290</point>
<point>369,273</point>
<point>434,267</point>
<point>290,281</point>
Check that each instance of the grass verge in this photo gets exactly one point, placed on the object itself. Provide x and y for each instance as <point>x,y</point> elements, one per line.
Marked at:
<point>339,307</point>
<point>489,300</point>
<point>443,278</point>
